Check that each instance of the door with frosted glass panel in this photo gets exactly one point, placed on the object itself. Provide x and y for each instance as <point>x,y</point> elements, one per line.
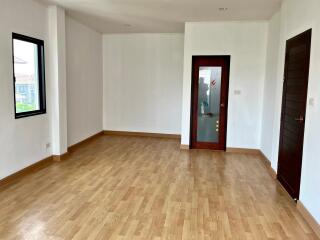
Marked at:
<point>210,80</point>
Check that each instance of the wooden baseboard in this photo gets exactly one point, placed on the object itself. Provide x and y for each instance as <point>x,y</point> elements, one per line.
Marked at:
<point>232,150</point>
<point>85,141</point>
<point>45,162</point>
<point>243,150</point>
<point>26,171</point>
<point>301,208</point>
<point>184,147</point>
<point>142,134</point>
<point>263,158</point>
<point>59,158</point>
<point>309,218</point>
<point>267,163</point>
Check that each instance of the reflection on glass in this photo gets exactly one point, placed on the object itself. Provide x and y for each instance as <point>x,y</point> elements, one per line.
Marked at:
<point>209,104</point>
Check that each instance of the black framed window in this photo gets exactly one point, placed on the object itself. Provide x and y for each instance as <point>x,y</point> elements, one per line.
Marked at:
<point>29,76</point>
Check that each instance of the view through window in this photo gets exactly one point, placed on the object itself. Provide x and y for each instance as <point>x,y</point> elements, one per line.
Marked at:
<point>28,76</point>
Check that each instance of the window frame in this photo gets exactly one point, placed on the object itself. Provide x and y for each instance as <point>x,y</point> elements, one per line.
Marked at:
<point>41,73</point>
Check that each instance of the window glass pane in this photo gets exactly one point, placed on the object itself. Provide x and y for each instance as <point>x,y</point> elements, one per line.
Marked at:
<point>26,76</point>
<point>209,104</point>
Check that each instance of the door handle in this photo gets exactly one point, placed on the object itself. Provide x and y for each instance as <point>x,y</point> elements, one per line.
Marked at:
<point>299,119</point>
<point>222,105</point>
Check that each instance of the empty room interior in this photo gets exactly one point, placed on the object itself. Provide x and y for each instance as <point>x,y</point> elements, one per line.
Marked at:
<point>159,119</point>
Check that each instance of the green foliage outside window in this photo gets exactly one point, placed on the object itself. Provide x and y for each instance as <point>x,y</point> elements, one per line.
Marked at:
<point>23,107</point>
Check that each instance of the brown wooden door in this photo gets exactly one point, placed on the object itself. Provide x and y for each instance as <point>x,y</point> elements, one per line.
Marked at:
<point>210,81</point>
<point>294,101</point>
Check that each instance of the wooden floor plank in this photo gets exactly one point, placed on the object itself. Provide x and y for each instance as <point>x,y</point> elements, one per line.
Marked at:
<point>118,187</point>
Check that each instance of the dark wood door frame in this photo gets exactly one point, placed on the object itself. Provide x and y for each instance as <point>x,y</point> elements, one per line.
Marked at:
<point>294,103</point>
<point>221,146</point>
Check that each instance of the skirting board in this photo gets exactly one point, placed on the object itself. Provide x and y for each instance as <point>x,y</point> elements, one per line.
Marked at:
<point>184,147</point>
<point>267,163</point>
<point>89,139</point>
<point>59,158</point>
<point>142,134</point>
<point>230,150</point>
<point>26,171</point>
<point>258,152</point>
<point>309,218</point>
<point>301,208</point>
<point>74,147</point>
<point>243,150</point>
<point>45,162</point>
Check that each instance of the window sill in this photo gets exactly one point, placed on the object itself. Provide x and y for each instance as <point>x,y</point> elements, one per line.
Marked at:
<point>29,114</point>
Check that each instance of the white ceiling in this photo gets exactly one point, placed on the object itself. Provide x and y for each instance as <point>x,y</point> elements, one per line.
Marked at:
<point>145,16</point>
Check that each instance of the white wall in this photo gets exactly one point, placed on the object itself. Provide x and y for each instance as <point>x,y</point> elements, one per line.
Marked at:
<point>296,17</point>
<point>22,141</point>
<point>268,121</point>
<point>246,43</point>
<point>84,81</point>
<point>143,82</point>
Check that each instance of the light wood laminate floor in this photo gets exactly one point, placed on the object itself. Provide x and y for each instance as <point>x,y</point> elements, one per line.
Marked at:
<point>147,188</point>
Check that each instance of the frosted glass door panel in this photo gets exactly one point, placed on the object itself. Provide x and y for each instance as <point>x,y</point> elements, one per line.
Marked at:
<point>209,104</point>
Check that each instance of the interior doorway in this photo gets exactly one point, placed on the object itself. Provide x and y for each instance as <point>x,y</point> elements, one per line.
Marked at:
<point>209,107</point>
<point>294,100</point>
